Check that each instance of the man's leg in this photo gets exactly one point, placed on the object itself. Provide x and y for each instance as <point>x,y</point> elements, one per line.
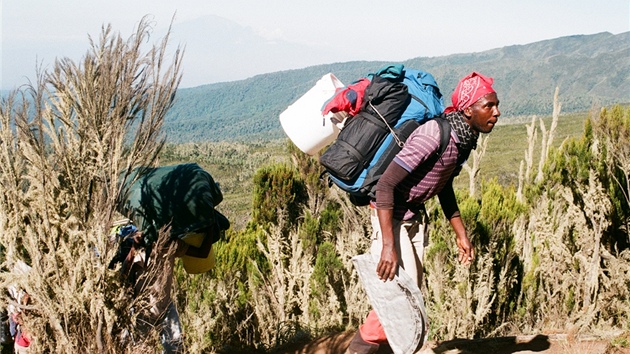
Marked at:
<point>419,239</point>
<point>171,331</point>
<point>371,332</point>
<point>409,243</point>
<point>411,253</point>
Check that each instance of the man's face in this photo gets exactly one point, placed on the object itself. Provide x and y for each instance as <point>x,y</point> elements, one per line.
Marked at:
<point>483,114</point>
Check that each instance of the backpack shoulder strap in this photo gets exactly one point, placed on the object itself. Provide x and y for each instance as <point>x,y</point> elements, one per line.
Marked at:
<point>445,133</point>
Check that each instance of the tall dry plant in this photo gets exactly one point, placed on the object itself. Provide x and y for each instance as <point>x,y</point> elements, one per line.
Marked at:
<point>473,170</point>
<point>547,137</point>
<point>526,166</point>
<point>561,257</point>
<point>64,145</point>
<point>574,248</point>
<point>292,294</point>
<point>354,239</point>
<point>473,301</point>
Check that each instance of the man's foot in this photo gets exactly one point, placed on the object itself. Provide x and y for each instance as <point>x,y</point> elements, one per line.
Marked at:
<point>384,348</point>
<point>359,346</point>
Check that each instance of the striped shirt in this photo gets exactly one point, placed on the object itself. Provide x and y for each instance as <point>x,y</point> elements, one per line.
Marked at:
<point>427,175</point>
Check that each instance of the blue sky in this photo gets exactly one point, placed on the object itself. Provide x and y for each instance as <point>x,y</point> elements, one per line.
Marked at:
<point>234,39</point>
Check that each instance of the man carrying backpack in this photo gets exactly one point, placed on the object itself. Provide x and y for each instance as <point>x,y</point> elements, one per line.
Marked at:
<point>416,174</point>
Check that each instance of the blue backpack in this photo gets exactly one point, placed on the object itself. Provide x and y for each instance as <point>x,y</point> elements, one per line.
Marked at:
<point>425,103</point>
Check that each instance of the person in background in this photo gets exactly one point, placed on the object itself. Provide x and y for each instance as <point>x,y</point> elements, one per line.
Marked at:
<point>16,308</point>
<point>179,200</point>
<point>22,340</point>
<point>415,175</point>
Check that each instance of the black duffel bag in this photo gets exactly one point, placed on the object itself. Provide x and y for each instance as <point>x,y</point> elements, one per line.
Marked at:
<point>358,141</point>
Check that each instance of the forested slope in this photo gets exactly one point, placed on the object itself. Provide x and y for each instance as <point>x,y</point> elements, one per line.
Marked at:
<point>590,71</point>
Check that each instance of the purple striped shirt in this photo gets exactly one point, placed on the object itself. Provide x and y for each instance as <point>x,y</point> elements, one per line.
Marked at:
<point>426,179</point>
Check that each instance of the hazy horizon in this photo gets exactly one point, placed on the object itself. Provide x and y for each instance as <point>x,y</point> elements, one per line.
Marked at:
<point>243,38</point>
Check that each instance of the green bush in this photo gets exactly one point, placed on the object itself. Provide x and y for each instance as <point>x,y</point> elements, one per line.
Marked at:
<point>277,187</point>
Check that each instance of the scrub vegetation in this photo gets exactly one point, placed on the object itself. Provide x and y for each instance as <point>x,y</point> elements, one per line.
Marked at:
<point>547,204</point>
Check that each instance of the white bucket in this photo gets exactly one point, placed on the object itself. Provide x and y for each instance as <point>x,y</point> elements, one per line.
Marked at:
<point>303,121</point>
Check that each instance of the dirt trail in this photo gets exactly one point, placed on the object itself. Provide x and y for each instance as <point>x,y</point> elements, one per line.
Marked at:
<point>547,344</point>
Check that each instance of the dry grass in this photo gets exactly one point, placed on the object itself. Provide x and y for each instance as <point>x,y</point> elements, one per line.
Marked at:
<point>64,144</point>
<point>473,168</point>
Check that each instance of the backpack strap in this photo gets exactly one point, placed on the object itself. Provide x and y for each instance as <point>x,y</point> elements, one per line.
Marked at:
<point>445,133</point>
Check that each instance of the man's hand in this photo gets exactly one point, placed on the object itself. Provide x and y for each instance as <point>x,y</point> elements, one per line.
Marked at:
<point>388,264</point>
<point>181,249</point>
<point>466,250</point>
<point>137,243</point>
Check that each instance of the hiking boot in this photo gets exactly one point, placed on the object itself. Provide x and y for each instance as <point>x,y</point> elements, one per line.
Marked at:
<point>359,346</point>
<point>384,348</point>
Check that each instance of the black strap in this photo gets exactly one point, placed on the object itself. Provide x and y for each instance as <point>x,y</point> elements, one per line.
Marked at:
<point>426,108</point>
<point>445,133</point>
<point>445,136</point>
<point>378,121</point>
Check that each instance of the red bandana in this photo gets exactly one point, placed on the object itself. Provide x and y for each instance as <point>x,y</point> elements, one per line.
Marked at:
<point>469,90</point>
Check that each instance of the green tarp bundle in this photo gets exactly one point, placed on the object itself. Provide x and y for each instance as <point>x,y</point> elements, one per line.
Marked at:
<point>183,196</point>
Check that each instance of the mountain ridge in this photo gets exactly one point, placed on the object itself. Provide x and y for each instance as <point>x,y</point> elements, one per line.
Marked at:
<point>590,71</point>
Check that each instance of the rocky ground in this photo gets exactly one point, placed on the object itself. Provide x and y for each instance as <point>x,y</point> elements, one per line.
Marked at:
<point>521,344</point>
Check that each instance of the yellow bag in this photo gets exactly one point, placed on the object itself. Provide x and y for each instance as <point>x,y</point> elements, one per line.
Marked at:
<point>194,265</point>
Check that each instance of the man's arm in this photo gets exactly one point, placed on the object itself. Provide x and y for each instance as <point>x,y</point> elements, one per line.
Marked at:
<point>451,211</point>
<point>388,263</point>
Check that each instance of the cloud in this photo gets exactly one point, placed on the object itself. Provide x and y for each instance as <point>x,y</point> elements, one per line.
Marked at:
<point>217,49</point>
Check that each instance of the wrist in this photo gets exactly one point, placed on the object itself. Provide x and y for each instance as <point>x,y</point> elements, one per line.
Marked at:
<point>388,245</point>
<point>461,236</point>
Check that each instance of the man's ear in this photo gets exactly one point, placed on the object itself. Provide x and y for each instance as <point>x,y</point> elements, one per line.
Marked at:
<point>467,112</point>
